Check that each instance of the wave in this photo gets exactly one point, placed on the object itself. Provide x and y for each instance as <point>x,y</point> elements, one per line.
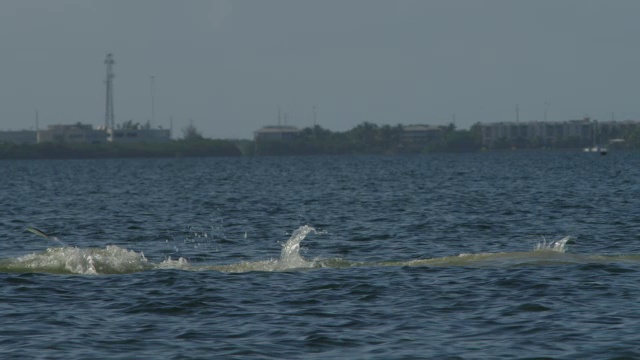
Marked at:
<point>116,260</point>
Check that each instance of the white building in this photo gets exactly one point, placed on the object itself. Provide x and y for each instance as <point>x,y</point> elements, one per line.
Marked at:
<point>547,133</point>
<point>421,134</point>
<point>76,133</point>
<point>83,133</point>
<point>277,133</point>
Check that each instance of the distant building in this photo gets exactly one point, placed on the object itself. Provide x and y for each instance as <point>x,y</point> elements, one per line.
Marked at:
<point>617,129</point>
<point>277,133</point>
<point>584,131</point>
<point>546,133</point>
<point>76,133</point>
<point>19,137</point>
<point>138,135</point>
<point>420,134</point>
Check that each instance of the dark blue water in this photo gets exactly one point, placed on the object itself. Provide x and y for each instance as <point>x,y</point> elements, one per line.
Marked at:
<point>488,255</point>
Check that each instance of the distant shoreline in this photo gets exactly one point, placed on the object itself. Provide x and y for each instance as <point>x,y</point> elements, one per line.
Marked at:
<point>180,148</point>
<point>211,148</point>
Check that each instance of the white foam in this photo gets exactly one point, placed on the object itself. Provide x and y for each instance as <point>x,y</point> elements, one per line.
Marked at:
<point>89,261</point>
<point>116,260</point>
<point>181,264</point>
<point>557,246</point>
<point>290,257</point>
<point>290,254</point>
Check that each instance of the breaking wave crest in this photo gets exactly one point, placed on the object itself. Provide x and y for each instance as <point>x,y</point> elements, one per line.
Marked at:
<point>116,260</point>
<point>557,246</point>
<point>290,257</point>
<point>72,260</point>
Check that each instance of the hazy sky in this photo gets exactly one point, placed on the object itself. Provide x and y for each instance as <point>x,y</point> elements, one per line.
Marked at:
<point>229,65</point>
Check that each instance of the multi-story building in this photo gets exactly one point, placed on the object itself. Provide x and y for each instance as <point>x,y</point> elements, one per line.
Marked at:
<point>76,133</point>
<point>19,137</point>
<point>83,133</point>
<point>584,132</point>
<point>137,135</point>
<point>421,134</point>
<point>277,133</point>
<point>617,129</point>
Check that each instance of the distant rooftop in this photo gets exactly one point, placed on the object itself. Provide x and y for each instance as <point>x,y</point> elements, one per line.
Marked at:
<point>279,129</point>
<point>420,127</point>
<point>70,126</point>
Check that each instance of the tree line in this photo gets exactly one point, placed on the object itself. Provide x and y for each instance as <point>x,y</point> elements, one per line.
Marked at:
<point>368,138</point>
<point>365,138</point>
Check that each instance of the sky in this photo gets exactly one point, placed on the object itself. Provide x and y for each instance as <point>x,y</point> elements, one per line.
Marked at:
<point>227,66</point>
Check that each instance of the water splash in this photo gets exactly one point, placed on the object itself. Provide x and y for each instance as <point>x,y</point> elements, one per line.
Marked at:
<point>290,257</point>
<point>290,254</point>
<point>557,246</point>
<point>89,261</point>
<point>181,264</point>
<point>116,260</point>
<point>44,235</point>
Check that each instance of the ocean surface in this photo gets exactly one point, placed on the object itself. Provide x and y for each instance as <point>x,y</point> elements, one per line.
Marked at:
<point>450,256</point>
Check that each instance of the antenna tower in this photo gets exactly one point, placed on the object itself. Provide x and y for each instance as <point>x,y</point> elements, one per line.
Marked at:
<point>279,115</point>
<point>152,91</point>
<point>170,126</point>
<point>546,108</point>
<point>109,117</point>
<point>314,116</point>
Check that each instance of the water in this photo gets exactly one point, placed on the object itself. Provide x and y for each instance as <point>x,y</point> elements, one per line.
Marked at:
<point>488,255</point>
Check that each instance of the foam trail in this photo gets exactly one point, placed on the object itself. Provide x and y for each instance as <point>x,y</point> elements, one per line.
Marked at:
<point>116,260</point>
<point>72,260</point>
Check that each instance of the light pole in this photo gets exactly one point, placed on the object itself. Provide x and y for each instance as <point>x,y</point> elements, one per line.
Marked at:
<point>151,90</point>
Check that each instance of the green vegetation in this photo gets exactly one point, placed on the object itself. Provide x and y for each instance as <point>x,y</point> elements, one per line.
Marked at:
<point>632,139</point>
<point>368,138</point>
<point>191,133</point>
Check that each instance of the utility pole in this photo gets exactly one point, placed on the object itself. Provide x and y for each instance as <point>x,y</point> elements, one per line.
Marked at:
<point>279,115</point>
<point>314,116</point>
<point>151,90</point>
<point>109,120</point>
